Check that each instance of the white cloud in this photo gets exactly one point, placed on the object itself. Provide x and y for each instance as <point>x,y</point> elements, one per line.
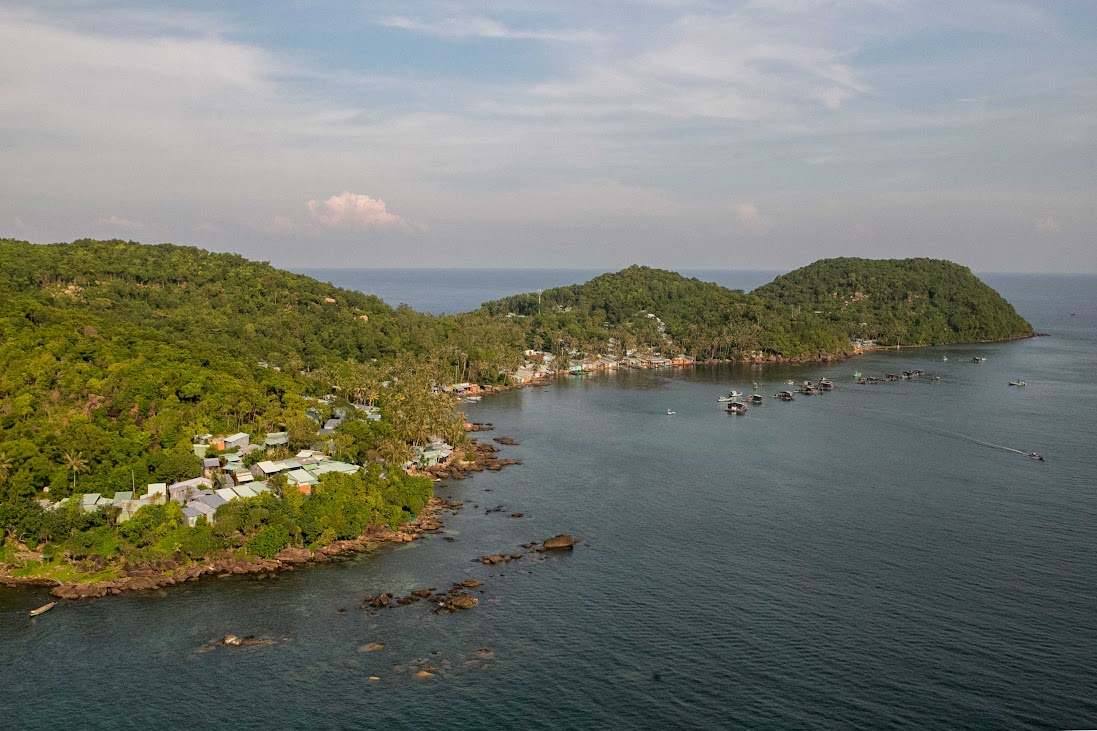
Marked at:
<point>354,210</point>
<point>748,215</point>
<point>118,222</point>
<point>1046,225</point>
<point>480,27</point>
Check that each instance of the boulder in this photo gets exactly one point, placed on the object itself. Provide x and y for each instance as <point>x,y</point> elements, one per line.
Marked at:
<point>461,601</point>
<point>560,542</point>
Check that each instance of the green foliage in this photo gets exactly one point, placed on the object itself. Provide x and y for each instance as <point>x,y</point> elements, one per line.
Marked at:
<point>907,301</point>
<point>646,309</point>
<point>269,541</point>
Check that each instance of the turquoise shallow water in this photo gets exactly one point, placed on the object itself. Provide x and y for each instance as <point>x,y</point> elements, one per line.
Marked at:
<point>873,557</point>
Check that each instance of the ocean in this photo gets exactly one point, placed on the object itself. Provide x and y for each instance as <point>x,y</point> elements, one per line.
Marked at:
<point>876,557</point>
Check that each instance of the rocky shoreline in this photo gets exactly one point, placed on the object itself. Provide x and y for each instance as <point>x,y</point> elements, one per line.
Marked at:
<point>474,458</point>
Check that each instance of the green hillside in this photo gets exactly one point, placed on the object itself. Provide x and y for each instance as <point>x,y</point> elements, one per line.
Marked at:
<point>907,301</point>
<point>697,318</point>
<point>115,354</point>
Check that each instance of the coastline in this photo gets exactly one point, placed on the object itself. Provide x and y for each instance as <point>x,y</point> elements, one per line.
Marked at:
<point>458,466</point>
<point>233,562</point>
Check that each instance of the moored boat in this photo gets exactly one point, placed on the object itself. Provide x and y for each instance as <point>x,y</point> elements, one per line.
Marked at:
<point>784,395</point>
<point>42,609</point>
<point>755,399</point>
<point>735,408</point>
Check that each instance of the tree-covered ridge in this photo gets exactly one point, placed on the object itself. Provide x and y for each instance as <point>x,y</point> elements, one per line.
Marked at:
<point>697,318</point>
<point>114,354</point>
<point>907,301</point>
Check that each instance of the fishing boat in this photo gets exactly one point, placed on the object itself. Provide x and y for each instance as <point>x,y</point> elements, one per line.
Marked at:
<point>1017,383</point>
<point>784,395</point>
<point>826,384</point>
<point>42,609</point>
<point>977,359</point>
<point>755,399</point>
<point>736,408</point>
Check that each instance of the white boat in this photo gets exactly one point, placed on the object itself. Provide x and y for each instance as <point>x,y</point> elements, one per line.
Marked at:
<point>473,399</point>
<point>791,383</point>
<point>730,397</point>
<point>671,413</point>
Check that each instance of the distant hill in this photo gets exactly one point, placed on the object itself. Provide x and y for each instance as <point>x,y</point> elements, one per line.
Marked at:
<point>641,306</point>
<point>907,301</point>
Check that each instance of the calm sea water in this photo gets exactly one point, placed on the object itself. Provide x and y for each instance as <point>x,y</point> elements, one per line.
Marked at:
<point>875,557</point>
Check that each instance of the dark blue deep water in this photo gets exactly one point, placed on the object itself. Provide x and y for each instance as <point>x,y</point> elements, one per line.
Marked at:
<point>875,557</point>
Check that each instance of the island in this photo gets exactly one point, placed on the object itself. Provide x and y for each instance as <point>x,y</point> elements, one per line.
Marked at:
<point>168,412</point>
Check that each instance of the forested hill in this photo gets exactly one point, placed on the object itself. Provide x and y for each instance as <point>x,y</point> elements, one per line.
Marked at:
<point>114,354</point>
<point>642,307</point>
<point>907,301</point>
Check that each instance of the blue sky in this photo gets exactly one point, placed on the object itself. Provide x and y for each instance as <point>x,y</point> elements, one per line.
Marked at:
<point>752,135</point>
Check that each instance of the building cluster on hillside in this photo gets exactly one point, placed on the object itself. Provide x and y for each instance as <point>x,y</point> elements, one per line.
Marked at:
<point>225,478</point>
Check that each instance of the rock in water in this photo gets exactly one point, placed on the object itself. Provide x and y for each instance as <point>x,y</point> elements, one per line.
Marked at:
<point>562,541</point>
<point>461,601</point>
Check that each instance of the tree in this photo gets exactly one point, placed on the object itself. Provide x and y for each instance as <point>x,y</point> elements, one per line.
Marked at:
<point>76,463</point>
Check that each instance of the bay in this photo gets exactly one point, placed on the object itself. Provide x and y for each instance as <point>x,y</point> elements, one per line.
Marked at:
<point>873,557</point>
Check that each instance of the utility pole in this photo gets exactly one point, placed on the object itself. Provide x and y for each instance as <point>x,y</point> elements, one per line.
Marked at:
<point>539,300</point>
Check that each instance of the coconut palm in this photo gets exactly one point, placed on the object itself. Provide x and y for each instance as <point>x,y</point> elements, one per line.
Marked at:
<point>76,463</point>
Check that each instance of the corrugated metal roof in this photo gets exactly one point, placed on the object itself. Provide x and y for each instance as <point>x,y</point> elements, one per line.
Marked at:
<point>300,476</point>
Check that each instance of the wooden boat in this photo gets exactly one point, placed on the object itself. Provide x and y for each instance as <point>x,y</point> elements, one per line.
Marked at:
<point>42,609</point>
<point>736,408</point>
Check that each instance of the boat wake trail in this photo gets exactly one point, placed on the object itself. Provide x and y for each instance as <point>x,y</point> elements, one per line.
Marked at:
<point>926,429</point>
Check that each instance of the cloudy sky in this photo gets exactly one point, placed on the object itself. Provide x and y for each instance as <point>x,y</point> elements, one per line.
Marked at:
<point>760,134</point>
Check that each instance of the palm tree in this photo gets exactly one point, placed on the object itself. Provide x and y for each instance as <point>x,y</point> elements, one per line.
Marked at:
<point>76,463</point>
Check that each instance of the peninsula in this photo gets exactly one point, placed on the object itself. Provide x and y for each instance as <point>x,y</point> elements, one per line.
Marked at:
<point>163,407</point>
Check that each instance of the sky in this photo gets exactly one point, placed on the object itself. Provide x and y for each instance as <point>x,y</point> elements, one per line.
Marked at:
<point>682,134</point>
